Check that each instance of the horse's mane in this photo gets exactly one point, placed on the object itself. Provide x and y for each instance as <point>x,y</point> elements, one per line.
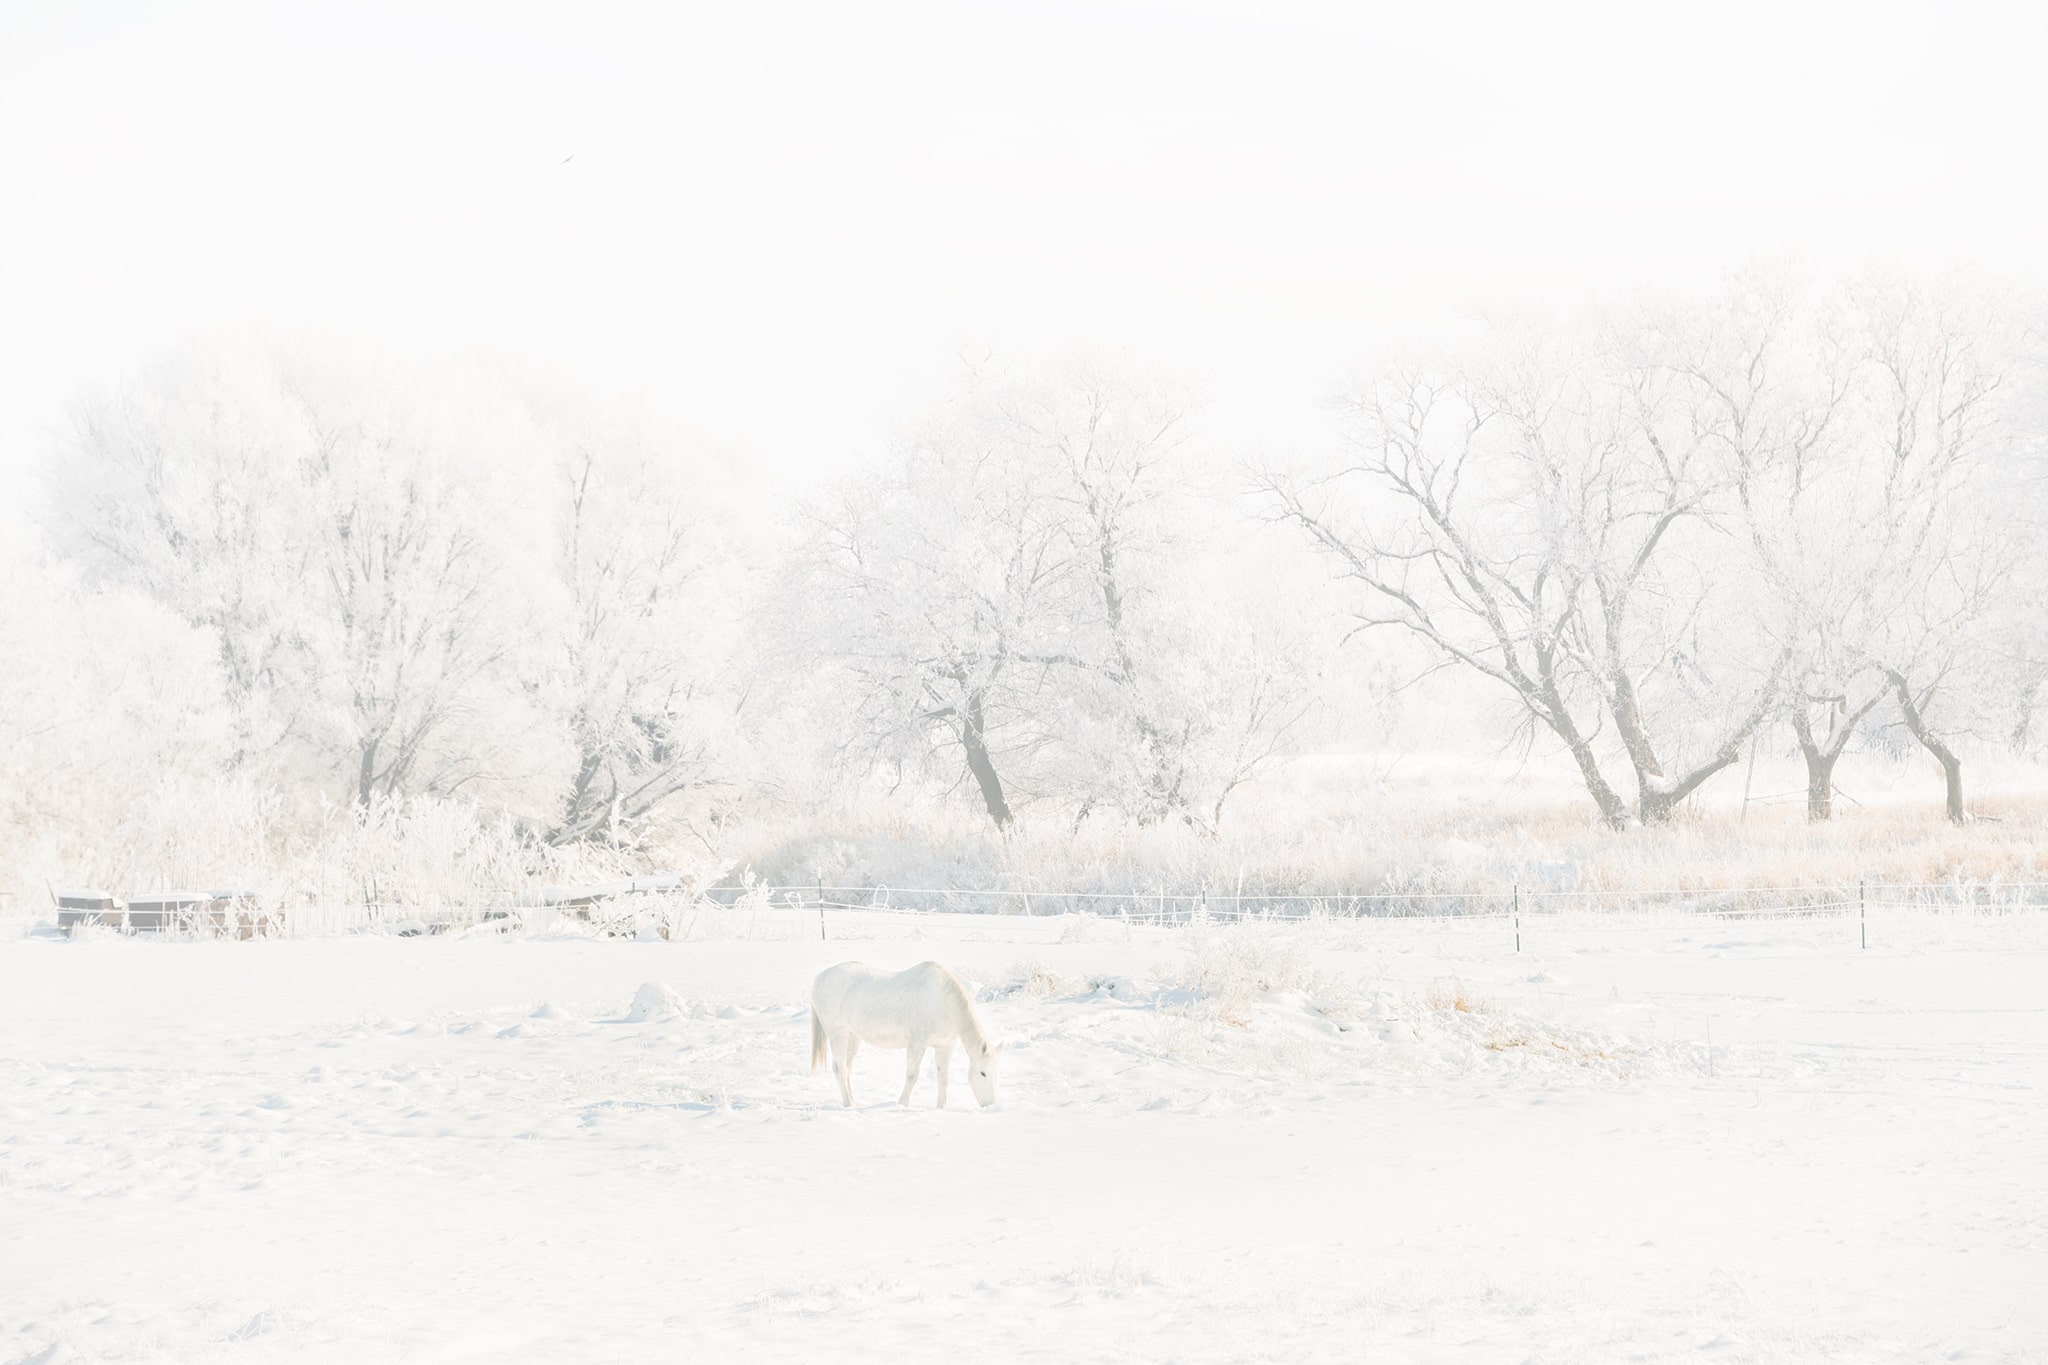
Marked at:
<point>973,1035</point>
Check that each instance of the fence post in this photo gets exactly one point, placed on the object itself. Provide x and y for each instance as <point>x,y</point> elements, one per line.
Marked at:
<point>1518,917</point>
<point>821,909</point>
<point>1862,915</point>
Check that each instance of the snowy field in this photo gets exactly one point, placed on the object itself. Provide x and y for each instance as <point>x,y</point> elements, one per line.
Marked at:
<point>1661,1140</point>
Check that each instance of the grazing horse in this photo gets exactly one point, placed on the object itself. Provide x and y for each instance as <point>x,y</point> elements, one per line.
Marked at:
<point>921,1007</point>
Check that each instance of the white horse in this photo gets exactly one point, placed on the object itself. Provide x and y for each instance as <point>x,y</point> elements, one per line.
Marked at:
<point>922,1007</point>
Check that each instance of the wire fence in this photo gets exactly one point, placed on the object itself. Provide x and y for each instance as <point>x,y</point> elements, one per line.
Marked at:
<point>675,911</point>
<point>814,910</point>
<point>1169,908</point>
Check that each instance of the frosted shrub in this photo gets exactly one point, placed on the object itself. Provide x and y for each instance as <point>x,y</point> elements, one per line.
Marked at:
<point>1035,979</point>
<point>183,831</point>
<point>755,914</point>
<point>436,859</point>
<point>1087,928</point>
<point>1229,970</point>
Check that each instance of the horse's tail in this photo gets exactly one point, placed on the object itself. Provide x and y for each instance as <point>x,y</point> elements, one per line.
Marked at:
<point>817,1039</point>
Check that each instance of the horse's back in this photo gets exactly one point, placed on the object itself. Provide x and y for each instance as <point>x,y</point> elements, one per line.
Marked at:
<point>926,982</point>
<point>925,975</point>
<point>847,972</point>
<point>886,1008</point>
<point>832,985</point>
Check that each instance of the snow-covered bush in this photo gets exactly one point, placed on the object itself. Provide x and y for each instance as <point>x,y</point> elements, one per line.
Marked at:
<point>1229,970</point>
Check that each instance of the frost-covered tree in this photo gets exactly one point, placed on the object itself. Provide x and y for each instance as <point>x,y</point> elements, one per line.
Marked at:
<point>411,548</point>
<point>346,541</point>
<point>1772,379</point>
<point>1229,675</point>
<point>109,697</point>
<point>433,584</point>
<point>1862,427</point>
<point>941,589</point>
<point>185,485</point>
<point>1946,546</point>
<point>1773,505</point>
<point>2021,485</point>
<point>1546,518</point>
<point>1188,685</point>
<point>1024,585</point>
<point>636,666</point>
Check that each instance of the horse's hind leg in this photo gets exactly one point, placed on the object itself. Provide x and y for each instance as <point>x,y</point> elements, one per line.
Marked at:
<point>913,1057</point>
<point>843,1048</point>
<point>942,1057</point>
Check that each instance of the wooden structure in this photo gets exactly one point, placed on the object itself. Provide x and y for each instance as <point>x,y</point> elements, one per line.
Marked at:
<point>218,914</point>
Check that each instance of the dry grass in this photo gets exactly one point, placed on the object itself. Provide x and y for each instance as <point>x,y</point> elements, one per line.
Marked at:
<point>1339,826</point>
<point>1454,997</point>
<point>1345,826</point>
<point>1576,1053</point>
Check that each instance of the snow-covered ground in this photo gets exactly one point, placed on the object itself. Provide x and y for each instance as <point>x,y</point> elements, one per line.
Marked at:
<point>1669,1140</point>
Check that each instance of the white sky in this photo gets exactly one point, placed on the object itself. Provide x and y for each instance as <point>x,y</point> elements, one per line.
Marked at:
<point>779,223</point>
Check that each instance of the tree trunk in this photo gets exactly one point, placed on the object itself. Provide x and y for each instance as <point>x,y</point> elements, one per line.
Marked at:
<point>2023,724</point>
<point>366,772</point>
<point>1547,705</point>
<point>1656,800</point>
<point>1628,723</point>
<point>579,791</point>
<point>981,765</point>
<point>1820,766</point>
<point>1820,785</point>
<point>1659,801</point>
<point>586,816</point>
<point>1951,766</point>
<point>1162,786</point>
<point>1613,810</point>
<point>1655,806</point>
<point>1821,756</point>
<point>1952,774</point>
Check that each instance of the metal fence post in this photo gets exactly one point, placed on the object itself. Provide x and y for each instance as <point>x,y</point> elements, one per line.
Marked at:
<point>1518,917</point>
<point>821,909</point>
<point>1862,915</point>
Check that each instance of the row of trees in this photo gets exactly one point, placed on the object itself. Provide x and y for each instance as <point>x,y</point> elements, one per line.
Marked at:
<point>459,586</point>
<point>1673,530</point>
<point>1041,585</point>
<point>411,587</point>
<point>1662,537</point>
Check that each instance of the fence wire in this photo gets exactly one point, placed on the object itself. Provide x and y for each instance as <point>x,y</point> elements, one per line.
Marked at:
<point>1166,908</point>
<point>674,912</point>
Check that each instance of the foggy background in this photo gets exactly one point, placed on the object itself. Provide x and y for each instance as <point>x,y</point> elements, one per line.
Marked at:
<point>758,265</point>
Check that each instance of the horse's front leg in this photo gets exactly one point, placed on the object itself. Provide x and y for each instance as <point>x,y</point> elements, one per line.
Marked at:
<point>942,1057</point>
<point>913,1057</point>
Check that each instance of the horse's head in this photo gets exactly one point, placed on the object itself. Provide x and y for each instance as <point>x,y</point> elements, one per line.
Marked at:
<point>981,1072</point>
